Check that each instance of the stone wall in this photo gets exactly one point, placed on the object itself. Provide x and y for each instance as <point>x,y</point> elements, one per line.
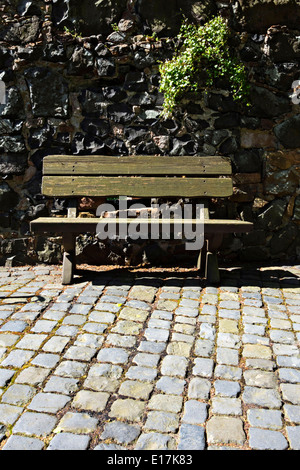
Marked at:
<point>82,78</point>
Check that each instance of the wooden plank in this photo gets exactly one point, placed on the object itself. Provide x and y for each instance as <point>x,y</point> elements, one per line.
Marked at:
<point>63,186</point>
<point>82,225</point>
<point>135,165</point>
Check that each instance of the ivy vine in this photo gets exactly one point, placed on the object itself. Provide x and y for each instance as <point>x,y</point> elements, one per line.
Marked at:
<point>204,57</point>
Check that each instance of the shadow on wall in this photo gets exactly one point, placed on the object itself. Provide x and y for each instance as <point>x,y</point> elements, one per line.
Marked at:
<point>88,17</point>
<point>165,17</point>
<point>96,17</point>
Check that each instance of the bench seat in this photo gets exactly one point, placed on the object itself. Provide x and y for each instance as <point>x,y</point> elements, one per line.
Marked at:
<point>89,224</point>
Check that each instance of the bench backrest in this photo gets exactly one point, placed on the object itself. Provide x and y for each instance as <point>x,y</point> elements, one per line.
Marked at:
<point>136,176</point>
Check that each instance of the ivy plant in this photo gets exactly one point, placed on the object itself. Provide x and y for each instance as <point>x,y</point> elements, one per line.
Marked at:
<point>204,57</point>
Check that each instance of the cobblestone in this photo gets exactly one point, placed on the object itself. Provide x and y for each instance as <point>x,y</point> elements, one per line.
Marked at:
<point>23,443</point>
<point>191,437</point>
<point>263,439</point>
<point>151,362</point>
<point>69,441</point>
<point>269,419</point>
<point>37,424</point>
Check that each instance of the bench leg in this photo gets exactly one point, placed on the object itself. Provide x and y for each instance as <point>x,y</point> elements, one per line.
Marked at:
<point>201,263</point>
<point>69,240</point>
<point>212,273</point>
<point>212,269</point>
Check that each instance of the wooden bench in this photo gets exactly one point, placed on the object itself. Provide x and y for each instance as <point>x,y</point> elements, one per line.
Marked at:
<point>142,177</point>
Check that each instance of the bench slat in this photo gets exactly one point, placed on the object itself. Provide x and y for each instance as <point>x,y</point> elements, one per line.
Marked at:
<point>135,165</point>
<point>64,186</point>
<point>82,225</point>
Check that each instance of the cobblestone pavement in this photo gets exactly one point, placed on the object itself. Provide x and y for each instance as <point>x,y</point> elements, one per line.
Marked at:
<point>149,360</point>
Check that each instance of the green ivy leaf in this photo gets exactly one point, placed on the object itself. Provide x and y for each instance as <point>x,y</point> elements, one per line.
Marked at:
<point>204,49</point>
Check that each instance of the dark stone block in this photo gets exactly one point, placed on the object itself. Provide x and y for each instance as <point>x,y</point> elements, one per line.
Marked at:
<point>147,148</point>
<point>81,62</point>
<point>7,75</point>
<point>282,239</point>
<point>13,164</point>
<point>102,50</point>
<point>281,183</point>
<point>63,137</point>
<point>14,104</point>
<point>247,161</point>
<point>281,76</point>
<point>60,205</point>
<point>54,52</point>
<point>254,253</point>
<point>282,45</point>
<point>120,113</point>
<point>250,122</point>
<point>186,146</point>
<point>229,146</point>
<point>23,32</point>
<point>88,145</point>
<point>250,53</point>
<point>136,134</point>
<point>14,246</point>
<point>12,144</point>
<point>95,146</point>
<point>192,108</point>
<point>168,126</point>
<point>40,137</point>
<point>142,99</point>
<point>165,18</point>
<point>220,103</point>
<point>116,146</point>
<point>48,92</point>
<point>288,132</point>
<point>194,125</point>
<point>34,186</point>
<point>271,216</point>
<point>155,80</point>
<point>50,252</point>
<point>95,127</point>
<point>29,53</point>
<point>149,116</point>
<point>28,8</point>
<point>116,37</point>
<point>92,102</point>
<point>89,17</point>
<point>105,67</point>
<point>257,16</point>
<point>227,121</point>
<point>135,81</point>
<point>155,255</point>
<point>77,145</point>
<point>40,210</point>
<point>296,215</point>
<point>215,137</point>
<point>5,57</point>
<point>8,197</point>
<point>114,94</point>
<point>8,126</point>
<point>4,219</point>
<point>142,59</point>
<point>266,104</point>
<point>257,237</point>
